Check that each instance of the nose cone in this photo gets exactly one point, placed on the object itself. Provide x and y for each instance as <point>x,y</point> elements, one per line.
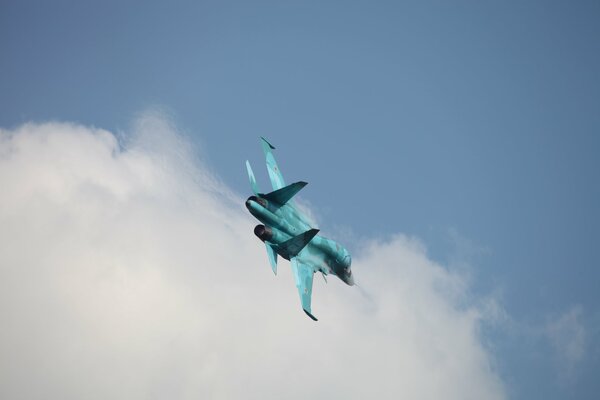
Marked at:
<point>347,272</point>
<point>348,277</point>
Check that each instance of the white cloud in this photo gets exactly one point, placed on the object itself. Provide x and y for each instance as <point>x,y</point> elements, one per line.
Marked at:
<point>567,336</point>
<point>135,274</point>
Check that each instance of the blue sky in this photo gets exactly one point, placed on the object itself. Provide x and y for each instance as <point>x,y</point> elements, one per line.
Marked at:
<point>471,125</point>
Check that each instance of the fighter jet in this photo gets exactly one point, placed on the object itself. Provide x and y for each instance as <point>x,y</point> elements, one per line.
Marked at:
<point>286,232</point>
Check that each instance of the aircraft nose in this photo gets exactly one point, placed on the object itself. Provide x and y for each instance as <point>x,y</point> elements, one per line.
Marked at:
<point>346,273</point>
<point>349,278</point>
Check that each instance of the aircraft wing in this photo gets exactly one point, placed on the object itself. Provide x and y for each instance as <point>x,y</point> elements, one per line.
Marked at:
<point>303,275</point>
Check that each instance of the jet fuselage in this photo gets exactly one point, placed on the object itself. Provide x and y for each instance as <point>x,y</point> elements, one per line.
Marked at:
<point>288,233</point>
<point>281,223</point>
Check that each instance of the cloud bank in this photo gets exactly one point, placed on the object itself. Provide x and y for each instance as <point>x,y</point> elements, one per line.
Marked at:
<point>567,335</point>
<point>130,272</point>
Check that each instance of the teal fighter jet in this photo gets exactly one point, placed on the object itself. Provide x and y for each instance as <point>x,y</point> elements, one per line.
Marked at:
<point>287,232</point>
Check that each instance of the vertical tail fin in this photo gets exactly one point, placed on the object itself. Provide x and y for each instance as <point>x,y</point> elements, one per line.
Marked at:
<point>251,177</point>
<point>274,172</point>
<point>272,257</point>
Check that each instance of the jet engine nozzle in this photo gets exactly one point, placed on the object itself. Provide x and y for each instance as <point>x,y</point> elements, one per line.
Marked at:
<point>264,233</point>
<point>256,199</point>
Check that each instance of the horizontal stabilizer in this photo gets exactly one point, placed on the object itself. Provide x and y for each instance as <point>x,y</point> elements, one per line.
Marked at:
<point>283,195</point>
<point>292,247</point>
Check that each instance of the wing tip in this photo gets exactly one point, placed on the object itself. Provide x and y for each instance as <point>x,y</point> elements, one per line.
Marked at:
<point>310,315</point>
